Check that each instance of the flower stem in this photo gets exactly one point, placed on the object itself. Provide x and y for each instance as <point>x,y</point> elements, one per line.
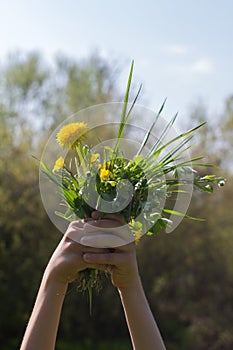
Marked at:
<point>81,160</point>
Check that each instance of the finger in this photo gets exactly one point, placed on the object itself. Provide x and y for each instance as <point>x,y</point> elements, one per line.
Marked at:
<point>101,267</point>
<point>107,226</point>
<point>73,237</point>
<point>73,227</point>
<point>116,217</point>
<point>81,248</point>
<point>88,219</point>
<point>90,249</point>
<point>104,258</point>
<point>123,233</point>
<point>75,231</point>
<point>91,226</point>
<point>103,223</point>
<point>96,215</point>
<point>75,224</point>
<point>103,240</point>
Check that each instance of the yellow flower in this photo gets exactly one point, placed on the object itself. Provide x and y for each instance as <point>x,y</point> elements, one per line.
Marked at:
<point>71,134</point>
<point>94,157</point>
<point>59,164</point>
<point>138,235</point>
<point>136,230</point>
<point>104,174</point>
<point>105,165</point>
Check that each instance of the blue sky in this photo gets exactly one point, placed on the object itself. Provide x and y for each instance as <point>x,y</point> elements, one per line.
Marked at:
<point>182,49</point>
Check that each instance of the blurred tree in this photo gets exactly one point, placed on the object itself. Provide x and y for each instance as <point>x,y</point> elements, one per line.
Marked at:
<point>189,275</point>
<point>42,95</point>
<point>34,97</point>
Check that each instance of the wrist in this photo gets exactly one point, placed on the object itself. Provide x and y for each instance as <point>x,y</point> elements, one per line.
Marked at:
<point>50,280</point>
<point>131,286</point>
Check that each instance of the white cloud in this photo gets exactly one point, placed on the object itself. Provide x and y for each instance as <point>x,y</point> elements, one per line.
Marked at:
<point>203,65</point>
<point>176,49</point>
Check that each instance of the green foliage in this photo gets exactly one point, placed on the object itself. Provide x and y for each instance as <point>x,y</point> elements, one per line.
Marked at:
<point>42,95</point>
<point>25,77</point>
<point>192,284</point>
<point>28,92</point>
<point>23,240</point>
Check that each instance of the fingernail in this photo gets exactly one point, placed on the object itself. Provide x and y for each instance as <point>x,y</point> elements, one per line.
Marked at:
<point>87,257</point>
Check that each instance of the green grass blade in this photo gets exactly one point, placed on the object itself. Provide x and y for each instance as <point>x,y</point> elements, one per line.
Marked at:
<point>181,136</point>
<point>146,138</point>
<point>124,114</point>
<point>163,135</point>
<point>177,151</point>
<point>177,213</point>
<point>132,105</point>
<point>126,99</point>
<point>171,157</point>
<point>51,175</point>
<point>90,294</point>
<point>63,216</point>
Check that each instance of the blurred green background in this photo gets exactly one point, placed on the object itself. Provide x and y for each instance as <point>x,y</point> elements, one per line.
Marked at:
<point>188,274</point>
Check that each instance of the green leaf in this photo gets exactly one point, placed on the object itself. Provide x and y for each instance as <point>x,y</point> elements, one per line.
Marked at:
<point>126,98</point>
<point>159,225</point>
<point>181,136</point>
<point>124,114</point>
<point>137,159</point>
<point>64,216</point>
<point>147,136</point>
<point>208,177</point>
<point>177,213</point>
<point>159,141</point>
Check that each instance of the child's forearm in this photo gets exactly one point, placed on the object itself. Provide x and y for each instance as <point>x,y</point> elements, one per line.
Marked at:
<point>42,328</point>
<point>142,326</point>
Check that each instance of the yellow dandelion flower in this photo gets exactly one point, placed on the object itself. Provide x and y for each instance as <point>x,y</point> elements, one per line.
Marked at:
<point>105,165</point>
<point>59,164</point>
<point>137,235</point>
<point>71,134</point>
<point>94,157</point>
<point>104,174</point>
<point>136,230</point>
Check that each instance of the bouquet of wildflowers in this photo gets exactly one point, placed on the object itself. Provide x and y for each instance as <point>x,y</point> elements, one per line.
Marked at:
<point>135,188</point>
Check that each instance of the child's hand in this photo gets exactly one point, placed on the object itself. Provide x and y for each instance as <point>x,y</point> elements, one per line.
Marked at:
<point>67,260</point>
<point>121,261</point>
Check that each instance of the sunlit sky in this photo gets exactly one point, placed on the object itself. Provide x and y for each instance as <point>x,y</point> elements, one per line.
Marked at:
<point>182,49</point>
